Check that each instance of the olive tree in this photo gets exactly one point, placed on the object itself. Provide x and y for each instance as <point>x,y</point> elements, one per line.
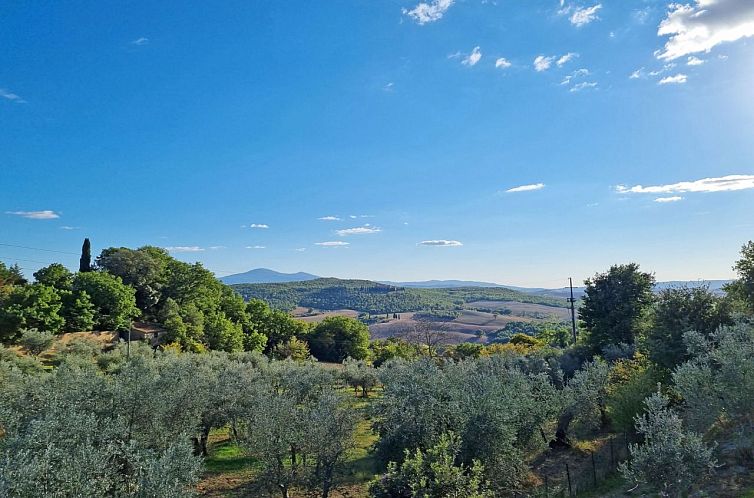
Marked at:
<point>671,458</point>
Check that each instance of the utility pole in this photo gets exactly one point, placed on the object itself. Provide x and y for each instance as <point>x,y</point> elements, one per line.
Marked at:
<point>573,310</point>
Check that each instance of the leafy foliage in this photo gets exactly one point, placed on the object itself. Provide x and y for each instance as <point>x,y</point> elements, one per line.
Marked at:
<point>433,473</point>
<point>680,310</point>
<point>614,305</point>
<point>114,301</point>
<point>671,459</point>
<point>339,337</point>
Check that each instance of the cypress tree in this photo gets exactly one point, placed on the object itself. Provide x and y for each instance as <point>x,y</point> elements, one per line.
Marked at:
<point>85,263</point>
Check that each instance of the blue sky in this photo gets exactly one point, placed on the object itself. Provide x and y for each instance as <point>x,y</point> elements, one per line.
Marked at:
<point>409,122</point>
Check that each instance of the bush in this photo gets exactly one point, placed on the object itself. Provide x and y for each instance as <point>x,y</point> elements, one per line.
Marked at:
<point>36,342</point>
<point>671,459</point>
<point>435,473</point>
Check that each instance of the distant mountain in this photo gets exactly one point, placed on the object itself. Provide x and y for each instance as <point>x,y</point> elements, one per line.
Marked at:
<point>266,276</point>
<point>445,284</point>
<point>715,286</point>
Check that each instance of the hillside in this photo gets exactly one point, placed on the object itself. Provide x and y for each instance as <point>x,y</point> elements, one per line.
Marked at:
<point>265,275</point>
<point>372,297</point>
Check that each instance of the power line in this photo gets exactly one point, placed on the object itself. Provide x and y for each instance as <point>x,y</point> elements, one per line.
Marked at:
<point>39,249</point>
<point>8,258</point>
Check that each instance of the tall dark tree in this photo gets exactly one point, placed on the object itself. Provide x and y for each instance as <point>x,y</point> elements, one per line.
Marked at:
<point>85,263</point>
<point>615,304</point>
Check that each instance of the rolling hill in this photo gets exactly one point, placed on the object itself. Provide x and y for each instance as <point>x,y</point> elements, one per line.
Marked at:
<point>373,297</point>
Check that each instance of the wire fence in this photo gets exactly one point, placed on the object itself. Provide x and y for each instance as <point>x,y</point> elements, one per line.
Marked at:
<point>575,475</point>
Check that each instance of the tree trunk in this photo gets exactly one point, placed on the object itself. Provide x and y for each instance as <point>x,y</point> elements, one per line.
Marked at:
<point>561,434</point>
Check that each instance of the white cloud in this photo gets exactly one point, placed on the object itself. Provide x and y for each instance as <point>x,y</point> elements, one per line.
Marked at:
<point>259,225</point>
<point>502,63</point>
<point>217,248</point>
<point>389,87</point>
<point>329,218</point>
<point>673,80</point>
<point>366,229</point>
<point>584,85</point>
<point>426,12</point>
<point>472,58</point>
<point>639,73</point>
<point>352,216</point>
<point>674,198</point>
<point>11,96</point>
<point>184,249</point>
<point>566,58</point>
<point>694,61</point>
<point>701,26</point>
<point>256,247</point>
<point>543,63</point>
<point>440,243</point>
<point>300,249</point>
<point>140,41</point>
<point>66,227</point>
<point>332,243</point>
<point>526,188</point>
<point>581,16</point>
<point>722,184</point>
<point>36,215</point>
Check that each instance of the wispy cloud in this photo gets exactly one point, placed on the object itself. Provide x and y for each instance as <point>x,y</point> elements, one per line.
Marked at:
<point>543,62</point>
<point>11,96</point>
<point>722,184</point>
<point>427,12</point>
<point>366,229</point>
<point>300,249</point>
<point>584,85</point>
<point>639,73</point>
<point>217,248</point>
<point>502,63</point>
<point>526,188</point>
<point>329,218</point>
<point>389,86</point>
<point>259,225</point>
<point>184,249</point>
<point>678,79</point>
<point>694,61</point>
<point>441,243</point>
<point>256,247</point>
<point>36,215</point>
<point>564,59</point>
<point>700,26</point>
<point>473,57</point>
<point>332,243</point>
<point>581,16</point>
<point>140,41</point>
<point>66,227</point>
<point>674,198</point>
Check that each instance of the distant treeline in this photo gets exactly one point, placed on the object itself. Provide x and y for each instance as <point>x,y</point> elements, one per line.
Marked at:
<point>371,297</point>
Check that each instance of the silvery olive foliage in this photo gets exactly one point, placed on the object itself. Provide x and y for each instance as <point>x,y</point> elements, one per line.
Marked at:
<point>672,458</point>
<point>719,378</point>
<point>298,427</point>
<point>78,432</point>
<point>496,409</point>
<point>433,473</point>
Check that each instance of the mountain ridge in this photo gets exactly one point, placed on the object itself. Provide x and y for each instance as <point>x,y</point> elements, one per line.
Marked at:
<point>268,276</point>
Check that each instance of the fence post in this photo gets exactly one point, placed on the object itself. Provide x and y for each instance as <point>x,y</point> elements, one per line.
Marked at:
<point>594,470</point>
<point>570,488</point>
